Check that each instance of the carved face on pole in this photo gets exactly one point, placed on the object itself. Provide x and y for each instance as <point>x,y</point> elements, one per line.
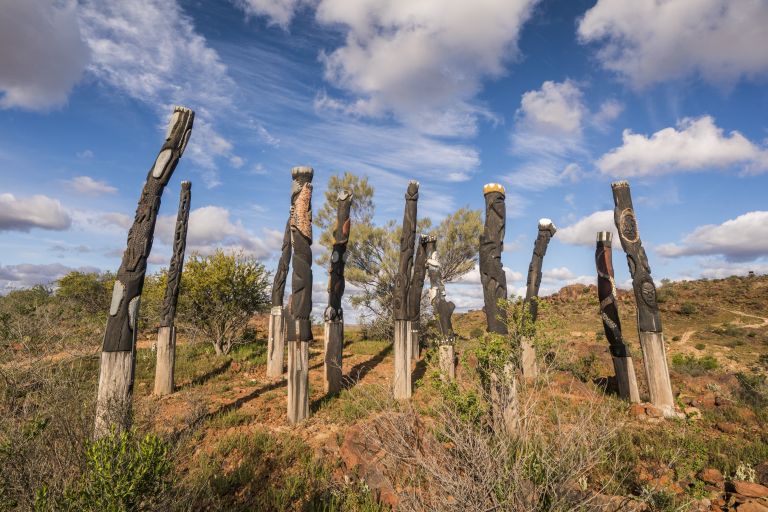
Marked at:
<point>336,282</point>
<point>123,312</point>
<point>491,246</point>
<point>407,240</point>
<point>301,237</point>
<point>648,317</point>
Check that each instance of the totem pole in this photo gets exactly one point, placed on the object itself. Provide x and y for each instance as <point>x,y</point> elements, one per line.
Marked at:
<point>547,230</point>
<point>648,319</point>
<point>503,388</point>
<point>277,318</point>
<point>402,384</point>
<point>166,334</point>
<point>492,275</point>
<point>334,314</point>
<point>113,401</point>
<point>609,312</point>
<point>301,294</point>
<point>442,310</point>
<point>415,290</point>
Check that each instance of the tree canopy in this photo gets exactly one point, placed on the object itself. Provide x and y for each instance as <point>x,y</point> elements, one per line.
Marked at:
<point>374,250</point>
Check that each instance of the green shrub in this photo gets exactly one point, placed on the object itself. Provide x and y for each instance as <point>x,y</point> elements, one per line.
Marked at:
<point>692,365</point>
<point>476,332</point>
<point>86,292</point>
<point>688,309</point>
<point>123,472</point>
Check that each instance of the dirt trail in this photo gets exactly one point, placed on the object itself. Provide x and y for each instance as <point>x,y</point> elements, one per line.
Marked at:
<point>750,326</point>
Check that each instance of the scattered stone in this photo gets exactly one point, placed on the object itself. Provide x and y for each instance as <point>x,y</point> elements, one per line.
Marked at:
<point>654,412</point>
<point>727,427</point>
<point>711,476</point>
<point>692,413</point>
<point>762,472</point>
<point>637,410</point>
<point>749,489</point>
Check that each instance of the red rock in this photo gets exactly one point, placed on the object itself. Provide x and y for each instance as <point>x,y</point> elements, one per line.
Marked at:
<point>749,489</point>
<point>753,506</point>
<point>654,412</point>
<point>711,476</point>
<point>637,410</point>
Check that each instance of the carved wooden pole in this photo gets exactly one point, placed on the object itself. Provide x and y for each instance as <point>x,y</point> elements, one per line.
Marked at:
<point>113,401</point>
<point>609,312</point>
<point>442,310</point>
<point>334,314</point>
<point>415,290</point>
<point>648,319</point>
<point>503,388</point>
<point>301,294</point>
<point>166,335</point>
<point>547,230</point>
<point>492,275</point>
<point>402,383</point>
<point>277,318</point>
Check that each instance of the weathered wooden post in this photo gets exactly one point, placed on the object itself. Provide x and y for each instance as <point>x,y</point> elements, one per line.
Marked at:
<point>648,318</point>
<point>166,335</point>
<point>402,381</point>
<point>547,230</point>
<point>609,312</point>
<point>415,289</point>
<point>113,402</point>
<point>503,388</point>
<point>277,318</point>
<point>442,309</point>
<point>492,275</point>
<point>301,294</point>
<point>334,314</point>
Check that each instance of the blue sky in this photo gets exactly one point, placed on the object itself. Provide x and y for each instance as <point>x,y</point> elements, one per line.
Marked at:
<point>552,98</point>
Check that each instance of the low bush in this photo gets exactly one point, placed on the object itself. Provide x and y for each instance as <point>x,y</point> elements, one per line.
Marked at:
<point>693,365</point>
<point>124,472</point>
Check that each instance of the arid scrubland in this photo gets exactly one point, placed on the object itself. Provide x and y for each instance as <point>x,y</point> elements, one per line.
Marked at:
<point>222,442</point>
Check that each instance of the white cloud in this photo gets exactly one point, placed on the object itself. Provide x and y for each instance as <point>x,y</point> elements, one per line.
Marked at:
<point>279,12</point>
<point>90,187</point>
<point>102,222</point>
<point>555,109</point>
<point>23,214</point>
<point>210,227</point>
<point>42,55</point>
<point>554,279</point>
<point>609,110</point>
<point>149,50</point>
<point>467,291</point>
<point>650,41</point>
<point>548,136</point>
<point>422,61</point>
<point>584,231</point>
<point>557,274</point>
<point>717,268</point>
<point>696,144</point>
<point>25,275</point>
<point>741,239</point>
